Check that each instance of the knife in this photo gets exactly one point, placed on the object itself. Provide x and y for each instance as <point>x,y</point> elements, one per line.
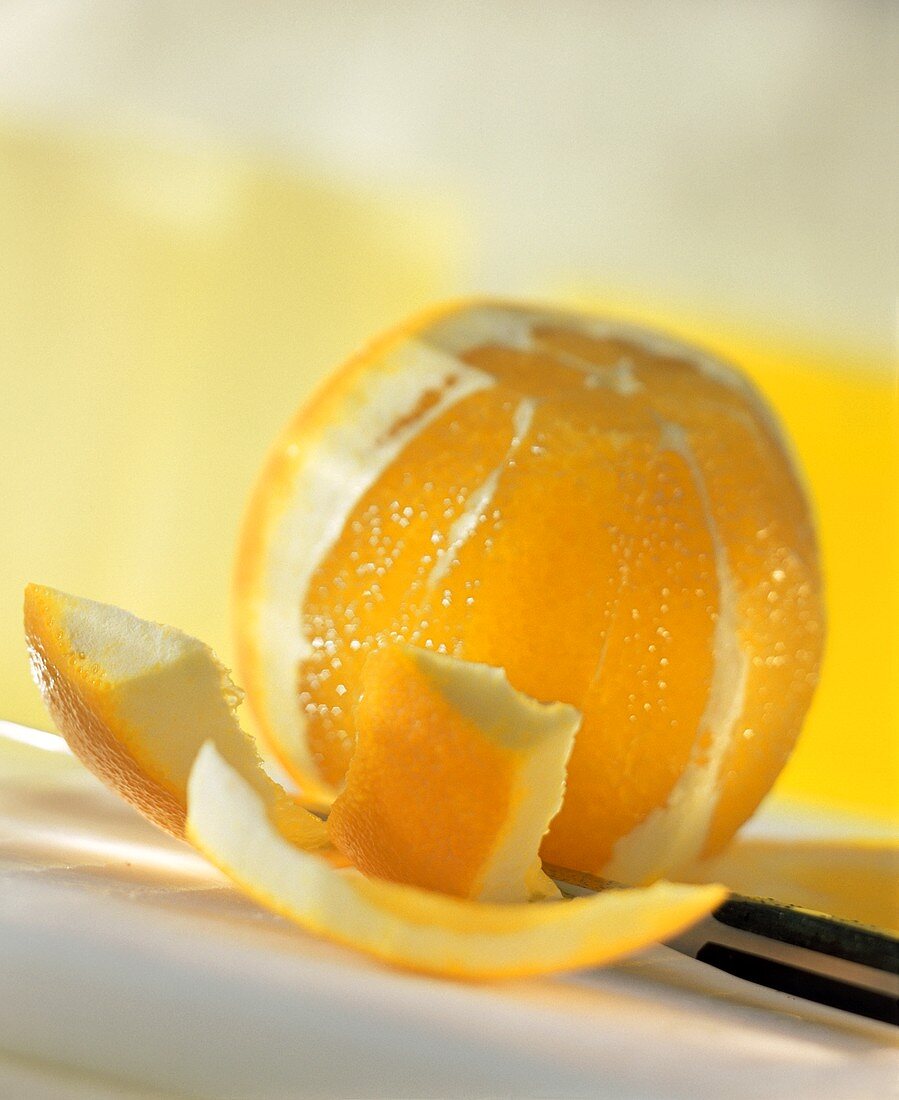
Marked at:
<point>797,951</point>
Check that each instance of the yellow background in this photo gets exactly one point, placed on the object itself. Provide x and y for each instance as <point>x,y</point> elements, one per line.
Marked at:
<point>163,309</point>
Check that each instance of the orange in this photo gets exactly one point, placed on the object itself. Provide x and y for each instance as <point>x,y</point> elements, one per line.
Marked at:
<point>609,516</point>
<point>455,778</point>
<point>151,711</point>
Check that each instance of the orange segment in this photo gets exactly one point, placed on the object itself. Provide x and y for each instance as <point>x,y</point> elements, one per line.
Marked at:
<point>384,560</point>
<point>136,700</point>
<point>413,928</point>
<point>611,517</point>
<point>455,777</point>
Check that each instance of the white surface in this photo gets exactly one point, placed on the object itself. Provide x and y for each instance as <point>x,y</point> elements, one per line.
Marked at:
<point>128,966</point>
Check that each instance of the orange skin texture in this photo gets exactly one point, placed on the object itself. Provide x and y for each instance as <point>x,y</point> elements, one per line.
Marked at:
<point>412,740</point>
<point>80,701</point>
<point>591,579</point>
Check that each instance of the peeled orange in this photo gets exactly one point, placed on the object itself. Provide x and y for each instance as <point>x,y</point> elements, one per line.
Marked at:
<point>151,711</point>
<point>611,517</point>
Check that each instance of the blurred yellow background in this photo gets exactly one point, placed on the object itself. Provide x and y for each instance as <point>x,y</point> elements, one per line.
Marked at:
<point>177,271</point>
<point>163,309</point>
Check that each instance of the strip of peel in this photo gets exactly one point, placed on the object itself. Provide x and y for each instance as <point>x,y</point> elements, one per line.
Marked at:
<point>348,458</point>
<point>415,928</point>
<point>479,501</point>
<point>538,795</point>
<point>541,736</point>
<point>674,835</point>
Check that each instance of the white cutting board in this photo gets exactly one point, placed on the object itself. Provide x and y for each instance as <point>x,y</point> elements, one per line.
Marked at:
<point>129,967</point>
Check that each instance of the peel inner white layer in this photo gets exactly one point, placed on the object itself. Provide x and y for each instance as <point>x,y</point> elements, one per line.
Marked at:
<point>170,691</point>
<point>348,459</point>
<point>412,927</point>
<point>673,835</point>
<point>542,737</point>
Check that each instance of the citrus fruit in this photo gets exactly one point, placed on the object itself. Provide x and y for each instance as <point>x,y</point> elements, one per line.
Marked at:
<point>151,711</point>
<point>136,700</point>
<point>609,516</point>
<point>455,778</point>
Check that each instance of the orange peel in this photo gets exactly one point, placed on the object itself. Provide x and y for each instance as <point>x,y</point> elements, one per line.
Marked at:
<point>135,701</point>
<point>119,689</point>
<point>455,778</point>
<point>417,929</point>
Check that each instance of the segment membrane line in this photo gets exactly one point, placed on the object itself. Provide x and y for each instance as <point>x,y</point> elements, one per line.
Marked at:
<point>349,457</point>
<point>674,835</point>
<point>480,499</point>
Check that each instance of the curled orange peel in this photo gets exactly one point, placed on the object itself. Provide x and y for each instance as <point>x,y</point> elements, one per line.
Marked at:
<point>455,777</point>
<point>151,712</point>
<point>135,701</point>
<point>420,929</point>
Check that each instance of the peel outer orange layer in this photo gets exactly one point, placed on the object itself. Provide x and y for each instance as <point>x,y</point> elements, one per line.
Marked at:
<point>612,517</point>
<point>418,929</point>
<point>137,702</point>
<point>455,778</point>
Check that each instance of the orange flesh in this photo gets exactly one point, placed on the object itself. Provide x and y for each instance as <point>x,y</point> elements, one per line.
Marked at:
<point>591,575</point>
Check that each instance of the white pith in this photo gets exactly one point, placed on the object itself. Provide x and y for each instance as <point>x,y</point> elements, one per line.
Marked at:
<point>347,459</point>
<point>514,870</point>
<point>123,645</point>
<point>674,835</point>
<point>479,500</point>
<point>169,692</point>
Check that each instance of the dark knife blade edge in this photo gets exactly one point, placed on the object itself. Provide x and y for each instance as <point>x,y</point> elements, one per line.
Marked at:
<point>811,955</point>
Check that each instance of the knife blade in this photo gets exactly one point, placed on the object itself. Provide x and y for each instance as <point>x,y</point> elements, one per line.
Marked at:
<point>796,951</point>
